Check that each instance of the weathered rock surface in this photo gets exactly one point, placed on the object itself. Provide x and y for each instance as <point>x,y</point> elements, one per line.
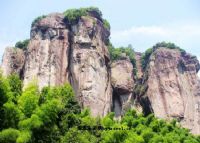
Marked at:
<point>13,61</point>
<point>89,71</point>
<point>47,54</point>
<point>173,87</point>
<point>60,52</point>
<point>122,83</point>
<point>138,57</point>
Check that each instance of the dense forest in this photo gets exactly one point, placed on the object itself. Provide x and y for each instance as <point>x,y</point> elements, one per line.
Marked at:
<point>53,115</point>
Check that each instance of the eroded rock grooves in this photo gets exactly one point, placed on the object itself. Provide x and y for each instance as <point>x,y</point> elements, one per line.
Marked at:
<point>47,53</point>
<point>60,52</point>
<point>173,87</point>
<point>122,82</point>
<point>13,61</point>
<point>88,65</point>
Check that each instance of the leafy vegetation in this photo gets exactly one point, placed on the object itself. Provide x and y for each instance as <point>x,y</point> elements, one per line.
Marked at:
<point>37,19</point>
<point>148,52</point>
<point>22,44</point>
<point>167,45</point>
<point>106,24</point>
<point>140,89</point>
<point>53,115</point>
<point>118,53</point>
<point>146,57</point>
<point>73,15</point>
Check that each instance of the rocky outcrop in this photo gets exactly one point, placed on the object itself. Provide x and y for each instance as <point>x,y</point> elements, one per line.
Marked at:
<point>76,52</point>
<point>47,54</point>
<point>60,52</point>
<point>173,87</point>
<point>138,57</point>
<point>13,61</point>
<point>89,71</point>
<point>122,82</point>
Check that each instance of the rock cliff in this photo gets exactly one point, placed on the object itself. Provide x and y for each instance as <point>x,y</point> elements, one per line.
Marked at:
<point>47,52</point>
<point>13,61</point>
<point>60,52</point>
<point>122,80</point>
<point>173,87</point>
<point>77,52</point>
<point>88,65</point>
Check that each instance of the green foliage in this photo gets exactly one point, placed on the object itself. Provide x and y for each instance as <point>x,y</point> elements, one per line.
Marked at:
<point>11,115</point>
<point>5,94</point>
<point>72,15</point>
<point>140,89</point>
<point>28,101</point>
<point>4,90</point>
<point>15,85</point>
<point>37,19</point>
<point>53,115</point>
<point>76,136</point>
<point>134,138</point>
<point>9,135</point>
<point>22,44</point>
<point>146,56</point>
<point>24,137</point>
<point>167,45</point>
<point>106,24</point>
<point>118,53</point>
<point>107,121</point>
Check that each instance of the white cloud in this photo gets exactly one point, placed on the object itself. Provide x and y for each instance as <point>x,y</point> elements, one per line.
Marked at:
<point>144,30</point>
<point>187,36</point>
<point>163,31</point>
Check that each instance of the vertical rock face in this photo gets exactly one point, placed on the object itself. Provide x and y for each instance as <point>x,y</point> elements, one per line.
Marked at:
<point>173,87</point>
<point>89,71</point>
<point>122,83</point>
<point>47,54</point>
<point>138,56</point>
<point>60,52</point>
<point>13,61</point>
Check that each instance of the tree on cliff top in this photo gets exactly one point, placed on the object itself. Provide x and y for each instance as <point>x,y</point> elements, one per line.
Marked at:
<point>117,53</point>
<point>73,15</point>
<point>146,55</point>
<point>22,44</point>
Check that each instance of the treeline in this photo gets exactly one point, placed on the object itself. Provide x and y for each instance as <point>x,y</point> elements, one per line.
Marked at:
<point>53,115</point>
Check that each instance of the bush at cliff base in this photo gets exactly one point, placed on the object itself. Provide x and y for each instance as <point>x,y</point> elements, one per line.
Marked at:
<point>52,115</point>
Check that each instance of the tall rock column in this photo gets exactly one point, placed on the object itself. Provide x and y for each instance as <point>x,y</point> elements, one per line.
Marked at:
<point>89,70</point>
<point>47,54</point>
<point>173,87</point>
<point>122,82</point>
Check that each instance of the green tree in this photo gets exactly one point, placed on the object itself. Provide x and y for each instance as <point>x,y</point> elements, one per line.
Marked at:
<point>53,115</point>
<point>146,55</point>
<point>22,44</point>
<point>118,53</point>
<point>9,135</point>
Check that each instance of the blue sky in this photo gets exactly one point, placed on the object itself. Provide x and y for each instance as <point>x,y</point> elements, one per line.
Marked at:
<point>141,23</point>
